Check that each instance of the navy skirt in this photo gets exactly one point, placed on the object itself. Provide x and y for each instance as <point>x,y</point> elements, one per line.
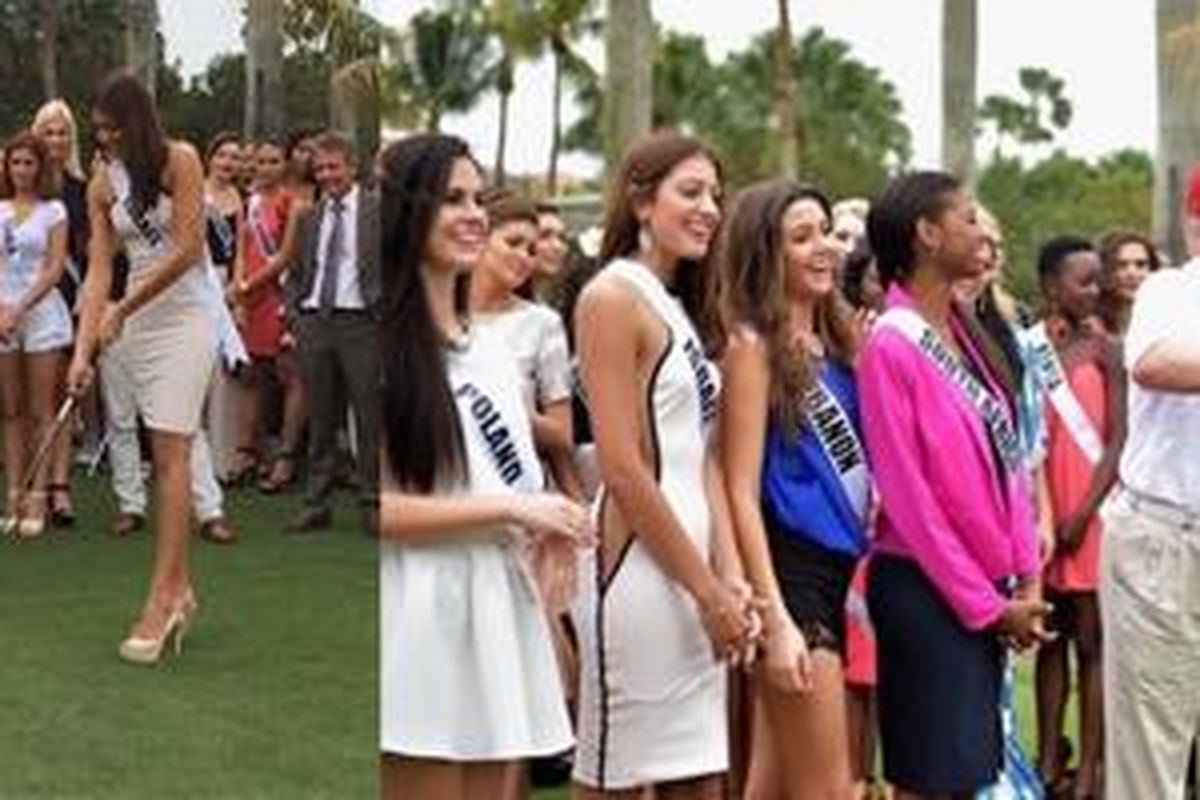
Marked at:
<point>939,686</point>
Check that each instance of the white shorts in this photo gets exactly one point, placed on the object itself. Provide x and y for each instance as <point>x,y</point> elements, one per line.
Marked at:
<point>467,668</point>
<point>47,327</point>
<point>652,698</point>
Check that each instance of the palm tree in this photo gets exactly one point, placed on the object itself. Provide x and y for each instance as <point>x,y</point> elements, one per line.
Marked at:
<point>141,40</point>
<point>1178,32</point>
<point>442,64</point>
<point>515,26</point>
<point>959,54</point>
<point>48,47</point>
<point>785,94</point>
<point>264,67</point>
<point>561,23</point>
<point>629,76</point>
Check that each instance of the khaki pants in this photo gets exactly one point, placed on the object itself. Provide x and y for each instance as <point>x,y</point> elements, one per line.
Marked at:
<point>1150,607</point>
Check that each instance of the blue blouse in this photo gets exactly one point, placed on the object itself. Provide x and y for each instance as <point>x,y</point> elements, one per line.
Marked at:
<point>802,495</point>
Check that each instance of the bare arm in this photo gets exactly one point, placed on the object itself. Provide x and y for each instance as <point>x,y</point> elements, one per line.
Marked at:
<point>1172,365</point>
<point>185,178</point>
<point>746,382</point>
<point>51,272</point>
<point>289,249</point>
<point>411,517</point>
<point>98,283</point>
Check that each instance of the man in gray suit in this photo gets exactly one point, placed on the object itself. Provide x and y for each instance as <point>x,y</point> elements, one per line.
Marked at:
<point>333,296</point>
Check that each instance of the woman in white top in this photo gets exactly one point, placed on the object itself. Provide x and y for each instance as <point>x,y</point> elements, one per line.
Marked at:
<point>664,601</point>
<point>532,332</point>
<point>147,198</point>
<point>35,324</point>
<point>468,684</point>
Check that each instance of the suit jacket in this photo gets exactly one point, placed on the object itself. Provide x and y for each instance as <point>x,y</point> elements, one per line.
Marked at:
<point>303,275</point>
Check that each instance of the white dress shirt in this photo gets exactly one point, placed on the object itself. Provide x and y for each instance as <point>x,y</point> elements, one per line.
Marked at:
<point>349,293</point>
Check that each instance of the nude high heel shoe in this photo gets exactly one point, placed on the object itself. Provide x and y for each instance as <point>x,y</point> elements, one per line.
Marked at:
<point>149,650</point>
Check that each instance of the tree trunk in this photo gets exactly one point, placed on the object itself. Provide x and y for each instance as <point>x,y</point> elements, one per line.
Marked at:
<point>785,95</point>
<point>1178,31</point>
<point>498,173</point>
<point>263,115</point>
<point>555,120</point>
<point>628,76</point>
<point>141,41</point>
<point>48,48</point>
<point>960,33</point>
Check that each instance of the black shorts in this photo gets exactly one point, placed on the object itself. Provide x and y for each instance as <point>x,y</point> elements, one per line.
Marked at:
<point>814,582</point>
<point>939,685</point>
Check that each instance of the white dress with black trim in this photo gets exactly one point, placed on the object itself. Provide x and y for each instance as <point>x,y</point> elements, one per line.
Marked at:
<point>652,696</point>
<point>467,669</point>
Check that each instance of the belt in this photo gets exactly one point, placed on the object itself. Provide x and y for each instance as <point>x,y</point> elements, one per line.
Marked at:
<point>1172,514</point>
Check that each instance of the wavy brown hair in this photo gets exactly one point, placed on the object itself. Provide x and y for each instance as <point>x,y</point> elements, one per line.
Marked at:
<point>754,292</point>
<point>1112,310</point>
<point>43,181</point>
<point>645,166</point>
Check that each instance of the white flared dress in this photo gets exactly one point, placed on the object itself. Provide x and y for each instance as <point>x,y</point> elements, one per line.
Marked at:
<point>467,669</point>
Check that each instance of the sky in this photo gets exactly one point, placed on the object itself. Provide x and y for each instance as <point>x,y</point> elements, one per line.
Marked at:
<point>1104,51</point>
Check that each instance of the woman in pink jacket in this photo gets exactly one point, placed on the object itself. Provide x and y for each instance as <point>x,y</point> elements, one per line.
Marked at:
<point>956,528</point>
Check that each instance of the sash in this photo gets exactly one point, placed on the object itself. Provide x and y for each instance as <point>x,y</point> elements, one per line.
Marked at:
<point>1052,375</point>
<point>835,431</point>
<point>266,243</point>
<point>991,410</point>
<point>494,432</point>
<point>151,231</point>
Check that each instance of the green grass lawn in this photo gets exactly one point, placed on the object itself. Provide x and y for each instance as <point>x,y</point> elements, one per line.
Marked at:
<point>275,695</point>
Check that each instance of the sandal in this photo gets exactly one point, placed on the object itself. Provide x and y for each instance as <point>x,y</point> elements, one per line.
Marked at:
<point>245,470</point>
<point>62,511</point>
<point>283,473</point>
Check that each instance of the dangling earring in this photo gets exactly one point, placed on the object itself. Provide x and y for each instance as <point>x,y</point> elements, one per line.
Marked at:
<point>645,238</point>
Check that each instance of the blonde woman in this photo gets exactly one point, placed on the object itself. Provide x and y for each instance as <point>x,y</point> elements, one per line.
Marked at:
<point>55,125</point>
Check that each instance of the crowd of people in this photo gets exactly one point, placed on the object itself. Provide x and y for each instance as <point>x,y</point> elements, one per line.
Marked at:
<point>714,508</point>
<point>762,481</point>
<point>218,310</point>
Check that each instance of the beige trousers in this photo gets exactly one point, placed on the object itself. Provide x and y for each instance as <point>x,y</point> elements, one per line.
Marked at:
<point>1150,607</point>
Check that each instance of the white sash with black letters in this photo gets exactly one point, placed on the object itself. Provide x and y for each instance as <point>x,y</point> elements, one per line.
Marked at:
<point>1050,370</point>
<point>835,431</point>
<point>991,410</point>
<point>266,243</point>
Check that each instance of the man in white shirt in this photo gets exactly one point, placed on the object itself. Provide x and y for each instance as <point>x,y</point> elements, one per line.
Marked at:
<point>333,300</point>
<point>1150,583</point>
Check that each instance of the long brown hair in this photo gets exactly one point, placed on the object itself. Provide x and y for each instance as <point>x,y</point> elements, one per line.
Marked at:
<point>143,145</point>
<point>1113,311</point>
<point>646,164</point>
<point>421,434</point>
<point>754,292</point>
<point>43,181</point>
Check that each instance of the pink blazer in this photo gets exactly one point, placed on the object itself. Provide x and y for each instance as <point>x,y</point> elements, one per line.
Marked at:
<point>946,502</point>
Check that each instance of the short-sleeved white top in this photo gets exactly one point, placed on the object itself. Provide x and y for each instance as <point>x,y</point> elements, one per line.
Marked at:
<point>24,244</point>
<point>1160,457</point>
<point>537,341</point>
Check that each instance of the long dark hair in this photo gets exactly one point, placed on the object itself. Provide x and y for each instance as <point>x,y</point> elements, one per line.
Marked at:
<point>421,432</point>
<point>755,293</point>
<point>143,145</point>
<point>646,164</point>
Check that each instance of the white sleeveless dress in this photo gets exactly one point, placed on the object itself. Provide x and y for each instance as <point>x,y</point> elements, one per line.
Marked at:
<point>467,670</point>
<point>652,705</point>
<point>169,345</point>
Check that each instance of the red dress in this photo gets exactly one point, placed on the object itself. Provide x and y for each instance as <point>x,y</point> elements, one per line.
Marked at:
<point>1069,473</point>
<point>266,220</point>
